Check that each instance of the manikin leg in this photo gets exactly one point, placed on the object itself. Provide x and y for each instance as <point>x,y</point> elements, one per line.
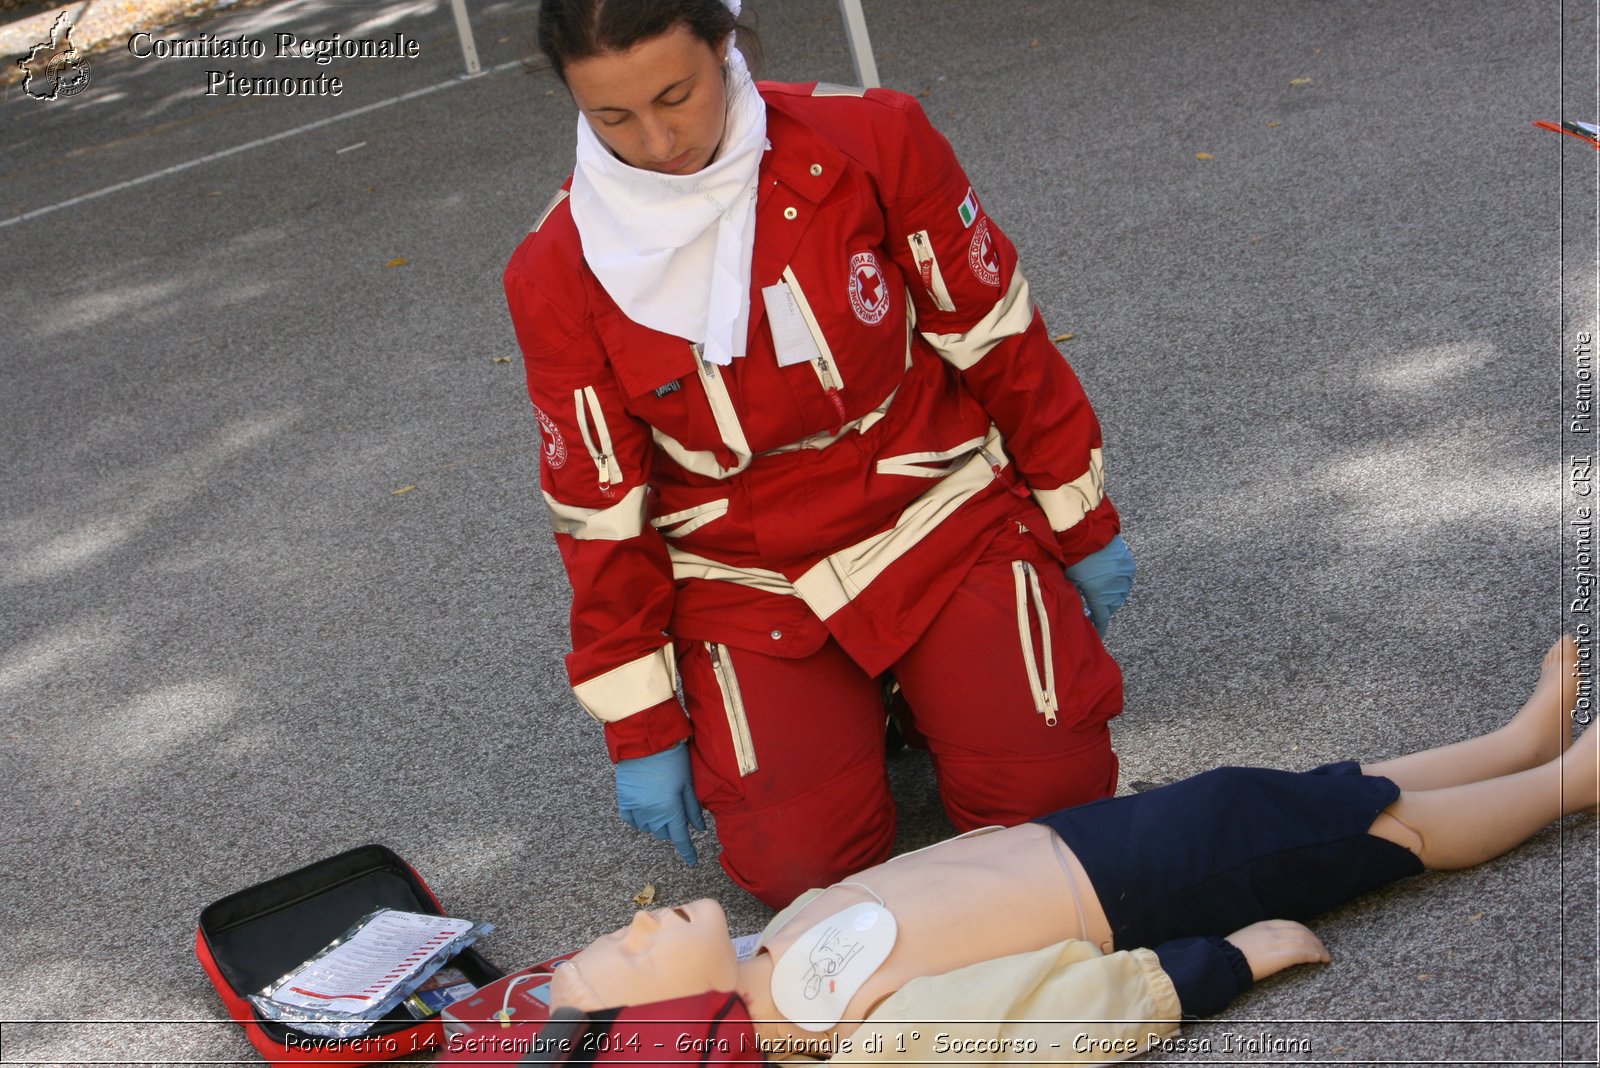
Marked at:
<point>1538,733</point>
<point>1457,826</point>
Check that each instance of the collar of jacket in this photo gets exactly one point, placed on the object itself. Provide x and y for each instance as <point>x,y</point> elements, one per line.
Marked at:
<point>797,174</point>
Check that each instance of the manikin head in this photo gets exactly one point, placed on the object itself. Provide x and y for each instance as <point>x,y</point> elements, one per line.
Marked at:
<point>662,954</point>
<point>647,74</point>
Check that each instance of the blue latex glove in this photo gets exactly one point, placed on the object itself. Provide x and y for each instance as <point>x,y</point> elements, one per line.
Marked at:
<point>655,794</point>
<point>1104,579</point>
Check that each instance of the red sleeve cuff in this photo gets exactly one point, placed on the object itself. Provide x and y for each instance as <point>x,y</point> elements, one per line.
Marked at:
<point>656,728</point>
<point>1091,533</point>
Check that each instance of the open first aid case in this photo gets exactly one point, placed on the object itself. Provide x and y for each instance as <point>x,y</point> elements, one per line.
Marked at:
<point>249,939</point>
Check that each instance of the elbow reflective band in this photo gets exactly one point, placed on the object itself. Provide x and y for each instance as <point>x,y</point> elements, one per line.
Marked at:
<point>621,521</point>
<point>633,687</point>
<point>1065,506</point>
<point>1008,318</point>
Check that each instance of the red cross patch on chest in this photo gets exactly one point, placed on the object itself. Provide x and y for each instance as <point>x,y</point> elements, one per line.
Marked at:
<point>869,290</point>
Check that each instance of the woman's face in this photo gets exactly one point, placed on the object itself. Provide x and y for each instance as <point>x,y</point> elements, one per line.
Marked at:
<point>661,105</point>
<point>667,953</point>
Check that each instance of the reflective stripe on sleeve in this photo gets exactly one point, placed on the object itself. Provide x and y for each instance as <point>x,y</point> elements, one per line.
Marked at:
<point>1065,506</point>
<point>1008,318</point>
<point>619,522</point>
<point>633,687</point>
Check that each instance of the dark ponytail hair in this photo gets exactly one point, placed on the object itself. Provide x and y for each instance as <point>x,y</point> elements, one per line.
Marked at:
<point>571,30</point>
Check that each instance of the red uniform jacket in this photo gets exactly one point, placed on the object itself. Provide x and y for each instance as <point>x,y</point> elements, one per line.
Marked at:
<point>843,490</point>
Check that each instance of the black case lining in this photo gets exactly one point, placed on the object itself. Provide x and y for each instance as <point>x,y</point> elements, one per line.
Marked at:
<point>260,933</point>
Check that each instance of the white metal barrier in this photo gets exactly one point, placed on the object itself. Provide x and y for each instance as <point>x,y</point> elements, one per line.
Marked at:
<point>855,29</point>
<point>469,47</point>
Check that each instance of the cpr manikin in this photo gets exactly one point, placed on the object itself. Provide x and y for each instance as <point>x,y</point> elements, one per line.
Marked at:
<point>1021,894</point>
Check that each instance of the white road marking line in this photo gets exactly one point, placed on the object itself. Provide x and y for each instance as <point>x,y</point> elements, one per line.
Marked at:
<point>235,150</point>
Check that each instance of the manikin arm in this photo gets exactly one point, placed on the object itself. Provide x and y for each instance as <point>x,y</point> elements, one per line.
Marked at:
<point>1273,945</point>
<point>1063,1004</point>
<point>1208,973</point>
<point>1068,1003</point>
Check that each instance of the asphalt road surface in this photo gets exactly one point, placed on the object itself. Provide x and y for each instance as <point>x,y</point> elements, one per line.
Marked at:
<point>276,580</point>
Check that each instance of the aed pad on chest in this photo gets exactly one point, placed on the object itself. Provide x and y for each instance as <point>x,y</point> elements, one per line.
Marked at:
<point>814,980</point>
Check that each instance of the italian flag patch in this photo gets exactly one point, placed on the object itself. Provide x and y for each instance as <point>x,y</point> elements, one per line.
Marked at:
<point>968,209</point>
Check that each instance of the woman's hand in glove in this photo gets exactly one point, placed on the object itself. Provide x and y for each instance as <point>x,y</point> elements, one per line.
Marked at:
<point>655,794</point>
<point>1104,579</point>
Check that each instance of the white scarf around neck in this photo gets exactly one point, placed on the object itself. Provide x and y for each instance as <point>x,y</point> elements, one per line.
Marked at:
<point>674,250</point>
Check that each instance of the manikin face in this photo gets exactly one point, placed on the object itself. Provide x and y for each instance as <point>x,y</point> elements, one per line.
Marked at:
<point>661,105</point>
<point>668,953</point>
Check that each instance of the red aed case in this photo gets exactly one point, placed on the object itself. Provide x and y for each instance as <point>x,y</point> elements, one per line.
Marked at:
<point>501,1023</point>
<point>509,1023</point>
<point>250,938</point>
<point>1588,133</point>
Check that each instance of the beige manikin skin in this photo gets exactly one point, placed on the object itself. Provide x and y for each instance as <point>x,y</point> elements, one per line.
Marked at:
<point>1009,891</point>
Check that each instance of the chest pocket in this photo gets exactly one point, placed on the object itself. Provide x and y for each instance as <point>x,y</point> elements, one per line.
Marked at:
<point>646,362</point>
<point>660,376</point>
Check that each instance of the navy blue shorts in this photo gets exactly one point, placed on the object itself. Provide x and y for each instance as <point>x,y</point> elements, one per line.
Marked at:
<point>1224,849</point>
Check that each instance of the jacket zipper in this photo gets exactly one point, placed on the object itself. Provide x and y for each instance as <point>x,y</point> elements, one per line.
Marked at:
<point>830,386</point>
<point>1030,595</point>
<point>608,472</point>
<point>744,749</point>
<point>832,381</point>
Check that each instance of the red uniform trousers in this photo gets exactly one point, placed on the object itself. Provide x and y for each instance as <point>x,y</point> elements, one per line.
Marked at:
<point>817,807</point>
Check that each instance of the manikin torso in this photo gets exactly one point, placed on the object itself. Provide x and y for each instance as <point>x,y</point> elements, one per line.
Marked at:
<point>968,900</point>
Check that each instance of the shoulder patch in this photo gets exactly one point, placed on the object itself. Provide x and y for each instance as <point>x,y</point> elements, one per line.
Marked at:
<point>555,202</point>
<point>832,89</point>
